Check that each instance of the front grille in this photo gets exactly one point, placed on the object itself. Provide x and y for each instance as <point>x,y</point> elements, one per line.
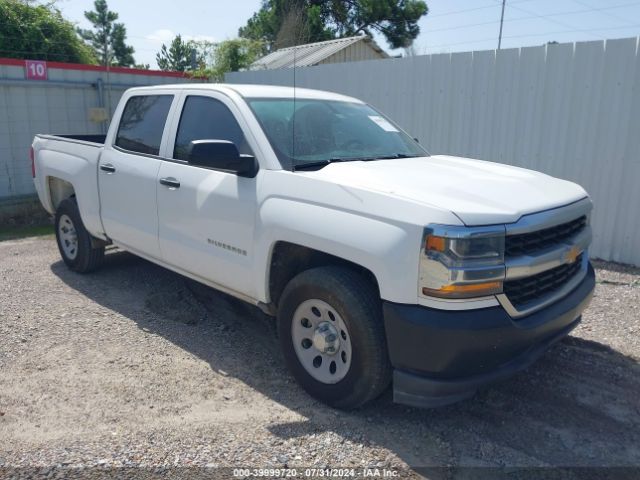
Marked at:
<point>529,243</point>
<point>524,290</point>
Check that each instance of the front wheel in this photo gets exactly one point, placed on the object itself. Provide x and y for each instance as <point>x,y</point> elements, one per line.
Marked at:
<point>332,335</point>
<point>74,242</point>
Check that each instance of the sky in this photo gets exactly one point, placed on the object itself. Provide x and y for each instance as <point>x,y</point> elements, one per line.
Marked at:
<point>450,26</point>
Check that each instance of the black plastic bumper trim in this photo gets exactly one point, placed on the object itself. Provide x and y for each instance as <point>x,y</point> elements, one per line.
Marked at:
<point>441,357</point>
<point>415,390</point>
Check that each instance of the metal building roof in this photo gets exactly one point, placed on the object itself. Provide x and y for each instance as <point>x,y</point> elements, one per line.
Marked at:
<point>310,54</point>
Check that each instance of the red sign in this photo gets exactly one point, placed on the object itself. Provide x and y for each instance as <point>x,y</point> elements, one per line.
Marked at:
<point>36,69</point>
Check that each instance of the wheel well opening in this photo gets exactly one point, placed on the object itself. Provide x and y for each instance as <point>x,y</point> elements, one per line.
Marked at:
<point>59,190</point>
<point>289,260</point>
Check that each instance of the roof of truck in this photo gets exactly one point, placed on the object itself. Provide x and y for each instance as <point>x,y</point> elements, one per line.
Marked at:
<point>256,91</point>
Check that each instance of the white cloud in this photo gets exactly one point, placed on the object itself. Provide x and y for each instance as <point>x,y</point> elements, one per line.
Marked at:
<point>161,36</point>
<point>200,38</point>
<point>165,35</point>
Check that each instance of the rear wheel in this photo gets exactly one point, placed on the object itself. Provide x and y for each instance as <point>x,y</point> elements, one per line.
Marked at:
<point>77,247</point>
<point>332,335</point>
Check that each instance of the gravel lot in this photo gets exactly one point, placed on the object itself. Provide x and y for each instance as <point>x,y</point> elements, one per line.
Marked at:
<point>136,366</point>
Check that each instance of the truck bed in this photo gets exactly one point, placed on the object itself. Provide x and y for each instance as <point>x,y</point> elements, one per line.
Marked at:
<point>89,138</point>
<point>65,165</point>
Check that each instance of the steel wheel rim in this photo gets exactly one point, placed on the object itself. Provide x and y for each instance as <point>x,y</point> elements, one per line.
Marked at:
<point>68,237</point>
<point>314,324</point>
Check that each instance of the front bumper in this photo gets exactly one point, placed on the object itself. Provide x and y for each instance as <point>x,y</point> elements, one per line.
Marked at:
<point>443,356</point>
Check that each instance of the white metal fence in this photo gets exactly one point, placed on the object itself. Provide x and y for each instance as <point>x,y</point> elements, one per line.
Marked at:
<point>569,110</point>
<point>60,102</point>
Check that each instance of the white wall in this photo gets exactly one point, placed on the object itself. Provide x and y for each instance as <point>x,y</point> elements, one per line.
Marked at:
<point>570,110</point>
<point>58,105</point>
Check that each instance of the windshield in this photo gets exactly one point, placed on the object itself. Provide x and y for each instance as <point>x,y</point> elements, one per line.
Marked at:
<point>323,131</point>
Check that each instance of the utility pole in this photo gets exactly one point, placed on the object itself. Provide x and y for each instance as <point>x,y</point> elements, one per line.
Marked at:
<point>107,65</point>
<point>194,62</point>
<point>501,22</point>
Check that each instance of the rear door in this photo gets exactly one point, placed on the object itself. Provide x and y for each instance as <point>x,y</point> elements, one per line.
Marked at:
<point>128,173</point>
<point>207,216</point>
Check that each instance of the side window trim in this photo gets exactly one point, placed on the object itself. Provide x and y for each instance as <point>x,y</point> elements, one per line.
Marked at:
<point>148,155</point>
<point>166,150</point>
<point>170,128</point>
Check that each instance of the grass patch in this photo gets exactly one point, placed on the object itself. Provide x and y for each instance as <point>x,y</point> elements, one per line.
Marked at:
<point>25,231</point>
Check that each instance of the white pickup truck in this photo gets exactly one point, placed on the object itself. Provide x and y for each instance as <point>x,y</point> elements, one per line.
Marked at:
<point>380,262</point>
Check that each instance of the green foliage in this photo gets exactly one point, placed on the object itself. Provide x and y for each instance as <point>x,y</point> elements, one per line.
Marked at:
<point>178,57</point>
<point>122,52</point>
<point>39,32</point>
<point>284,23</point>
<point>107,39</point>
<point>235,55</point>
<point>263,25</point>
<point>228,56</point>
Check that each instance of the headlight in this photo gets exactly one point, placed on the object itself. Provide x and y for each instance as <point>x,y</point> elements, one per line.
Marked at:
<point>462,262</point>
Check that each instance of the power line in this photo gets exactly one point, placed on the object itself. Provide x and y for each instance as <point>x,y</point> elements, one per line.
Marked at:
<point>622,27</point>
<point>512,4</point>
<point>608,14</point>
<point>531,16</point>
<point>557,22</point>
<point>455,12</point>
<point>596,9</point>
<point>532,35</point>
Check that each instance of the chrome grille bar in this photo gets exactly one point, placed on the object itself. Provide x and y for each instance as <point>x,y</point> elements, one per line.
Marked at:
<point>548,257</point>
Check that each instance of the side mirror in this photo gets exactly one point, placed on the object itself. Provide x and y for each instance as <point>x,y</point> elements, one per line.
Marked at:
<point>222,155</point>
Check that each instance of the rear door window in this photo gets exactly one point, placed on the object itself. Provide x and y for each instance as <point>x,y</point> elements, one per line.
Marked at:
<point>142,123</point>
<point>205,118</point>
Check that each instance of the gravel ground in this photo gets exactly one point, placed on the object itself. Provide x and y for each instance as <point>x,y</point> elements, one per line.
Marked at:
<point>135,366</point>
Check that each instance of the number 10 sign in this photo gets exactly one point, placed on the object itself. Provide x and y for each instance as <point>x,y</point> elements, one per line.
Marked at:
<point>35,69</point>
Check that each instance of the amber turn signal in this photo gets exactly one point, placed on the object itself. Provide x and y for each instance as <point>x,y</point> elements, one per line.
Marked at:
<point>464,291</point>
<point>435,243</point>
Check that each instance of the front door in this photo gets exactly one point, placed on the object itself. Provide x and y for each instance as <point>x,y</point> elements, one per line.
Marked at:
<point>206,217</point>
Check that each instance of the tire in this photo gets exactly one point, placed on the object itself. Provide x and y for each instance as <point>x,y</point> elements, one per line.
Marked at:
<point>342,298</point>
<point>85,257</point>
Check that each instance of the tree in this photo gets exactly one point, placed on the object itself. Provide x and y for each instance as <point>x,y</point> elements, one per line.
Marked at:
<point>284,23</point>
<point>39,32</point>
<point>232,56</point>
<point>122,52</point>
<point>107,39</point>
<point>216,59</point>
<point>178,57</point>
<point>212,60</point>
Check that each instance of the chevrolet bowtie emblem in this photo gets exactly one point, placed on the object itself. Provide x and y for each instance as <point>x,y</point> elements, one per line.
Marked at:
<point>572,255</point>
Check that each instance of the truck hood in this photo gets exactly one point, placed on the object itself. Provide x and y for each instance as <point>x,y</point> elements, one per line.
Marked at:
<point>478,192</point>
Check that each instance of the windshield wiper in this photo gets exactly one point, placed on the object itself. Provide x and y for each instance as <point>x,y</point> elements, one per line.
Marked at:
<point>315,165</point>
<point>397,155</point>
<point>323,163</point>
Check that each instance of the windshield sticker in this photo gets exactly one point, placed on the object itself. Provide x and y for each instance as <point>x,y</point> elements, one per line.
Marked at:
<point>383,123</point>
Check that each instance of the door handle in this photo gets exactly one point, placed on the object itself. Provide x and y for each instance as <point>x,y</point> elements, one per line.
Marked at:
<point>170,182</point>
<point>107,167</point>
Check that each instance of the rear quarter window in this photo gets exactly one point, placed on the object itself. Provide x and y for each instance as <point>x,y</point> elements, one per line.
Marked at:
<point>142,123</point>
